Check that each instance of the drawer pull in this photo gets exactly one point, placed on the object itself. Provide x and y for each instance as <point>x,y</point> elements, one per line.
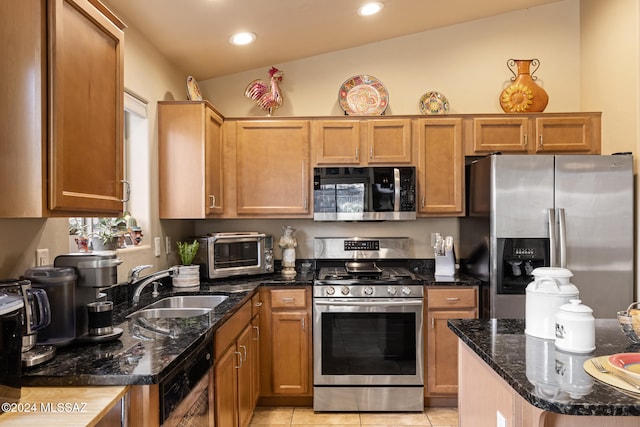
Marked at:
<point>239,359</point>
<point>258,304</point>
<point>452,299</point>
<point>288,299</point>
<point>257,337</point>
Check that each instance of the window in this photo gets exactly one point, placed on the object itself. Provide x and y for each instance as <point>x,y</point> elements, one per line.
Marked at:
<point>136,173</point>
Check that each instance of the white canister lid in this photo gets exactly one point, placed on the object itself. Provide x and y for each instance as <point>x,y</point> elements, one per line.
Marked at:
<point>558,272</point>
<point>575,306</point>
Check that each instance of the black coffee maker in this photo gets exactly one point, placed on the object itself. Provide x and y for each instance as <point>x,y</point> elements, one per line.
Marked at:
<point>37,315</point>
<point>11,319</point>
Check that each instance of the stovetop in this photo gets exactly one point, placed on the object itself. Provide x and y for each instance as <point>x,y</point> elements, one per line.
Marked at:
<point>385,274</point>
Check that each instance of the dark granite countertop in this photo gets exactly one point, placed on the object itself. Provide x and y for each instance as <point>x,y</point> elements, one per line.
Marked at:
<point>549,379</point>
<point>134,358</point>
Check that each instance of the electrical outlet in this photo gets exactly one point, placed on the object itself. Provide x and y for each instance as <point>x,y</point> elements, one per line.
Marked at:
<point>500,420</point>
<point>42,257</point>
<point>157,243</point>
<point>167,244</point>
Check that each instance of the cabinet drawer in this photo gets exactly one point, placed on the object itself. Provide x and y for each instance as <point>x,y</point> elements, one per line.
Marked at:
<point>452,298</point>
<point>288,298</point>
<point>227,334</point>
<point>256,304</point>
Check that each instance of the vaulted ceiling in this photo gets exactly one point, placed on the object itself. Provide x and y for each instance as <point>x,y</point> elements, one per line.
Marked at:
<point>194,34</point>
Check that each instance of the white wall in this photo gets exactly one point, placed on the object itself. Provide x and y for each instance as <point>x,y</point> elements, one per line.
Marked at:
<point>466,62</point>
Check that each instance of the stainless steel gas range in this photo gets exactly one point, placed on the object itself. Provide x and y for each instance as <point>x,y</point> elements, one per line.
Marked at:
<point>367,317</point>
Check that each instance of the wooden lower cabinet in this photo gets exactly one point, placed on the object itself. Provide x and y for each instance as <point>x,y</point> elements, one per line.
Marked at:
<point>233,399</point>
<point>286,353</point>
<point>441,345</point>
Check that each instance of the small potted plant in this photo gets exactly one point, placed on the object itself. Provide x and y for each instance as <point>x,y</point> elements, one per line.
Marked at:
<point>107,234</point>
<point>187,274</point>
<point>78,239</point>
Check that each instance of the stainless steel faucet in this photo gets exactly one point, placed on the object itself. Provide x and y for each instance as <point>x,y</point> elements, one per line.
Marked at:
<point>141,282</point>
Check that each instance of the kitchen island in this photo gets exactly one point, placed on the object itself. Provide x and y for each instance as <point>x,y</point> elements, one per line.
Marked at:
<point>507,378</point>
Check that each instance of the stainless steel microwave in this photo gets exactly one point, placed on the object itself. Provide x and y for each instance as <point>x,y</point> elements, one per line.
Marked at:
<point>364,194</point>
<point>235,254</point>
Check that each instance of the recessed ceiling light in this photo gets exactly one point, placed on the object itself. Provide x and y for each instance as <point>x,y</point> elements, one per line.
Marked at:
<point>240,39</point>
<point>370,8</point>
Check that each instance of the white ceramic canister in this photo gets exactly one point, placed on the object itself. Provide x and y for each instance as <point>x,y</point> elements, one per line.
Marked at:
<point>550,289</point>
<point>575,328</point>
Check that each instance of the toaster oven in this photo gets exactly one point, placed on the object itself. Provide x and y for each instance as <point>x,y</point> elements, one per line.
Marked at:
<point>235,254</point>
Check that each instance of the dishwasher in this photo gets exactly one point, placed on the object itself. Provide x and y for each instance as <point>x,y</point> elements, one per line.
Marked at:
<point>186,395</point>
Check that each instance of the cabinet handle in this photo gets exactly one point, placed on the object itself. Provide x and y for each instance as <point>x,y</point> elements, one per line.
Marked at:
<point>433,322</point>
<point>356,153</point>
<point>306,203</point>
<point>258,304</point>
<point>452,299</point>
<point>422,203</point>
<point>244,350</point>
<point>303,328</point>
<point>212,201</point>
<point>127,190</point>
<point>239,365</point>
<point>541,143</point>
<point>526,141</point>
<point>257,337</point>
<point>370,153</point>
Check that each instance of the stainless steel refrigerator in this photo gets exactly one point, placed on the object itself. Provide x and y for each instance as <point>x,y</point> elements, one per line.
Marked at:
<point>528,211</point>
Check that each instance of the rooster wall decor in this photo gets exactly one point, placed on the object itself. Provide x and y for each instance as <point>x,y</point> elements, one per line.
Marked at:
<point>267,96</point>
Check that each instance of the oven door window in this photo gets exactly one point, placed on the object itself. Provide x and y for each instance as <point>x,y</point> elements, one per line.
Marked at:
<point>368,344</point>
<point>236,254</point>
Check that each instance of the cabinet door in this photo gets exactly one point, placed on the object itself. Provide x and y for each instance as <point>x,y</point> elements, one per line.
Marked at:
<point>442,351</point>
<point>86,109</point>
<point>563,134</point>
<point>272,167</point>
<point>505,134</point>
<point>226,388</point>
<point>255,360</point>
<point>245,395</point>
<point>440,166</point>
<point>213,171</point>
<point>291,355</point>
<point>388,141</point>
<point>336,142</point>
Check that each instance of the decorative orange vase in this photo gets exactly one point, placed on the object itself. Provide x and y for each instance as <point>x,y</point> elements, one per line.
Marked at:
<point>523,95</point>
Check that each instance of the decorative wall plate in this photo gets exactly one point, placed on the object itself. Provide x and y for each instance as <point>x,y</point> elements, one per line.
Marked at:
<point>434,103</point>
<point>193,90</point>
<point>363,95</point>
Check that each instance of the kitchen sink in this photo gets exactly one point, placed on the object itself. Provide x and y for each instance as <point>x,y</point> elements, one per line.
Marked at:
<point>191,301</point>
<point>170,313</point>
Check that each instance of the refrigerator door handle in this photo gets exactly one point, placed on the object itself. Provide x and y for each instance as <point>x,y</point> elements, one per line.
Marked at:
<point>562,238</point>
<point>552,237</point>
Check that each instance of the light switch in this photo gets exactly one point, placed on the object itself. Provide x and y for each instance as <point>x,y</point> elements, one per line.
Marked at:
<point>157,242</point>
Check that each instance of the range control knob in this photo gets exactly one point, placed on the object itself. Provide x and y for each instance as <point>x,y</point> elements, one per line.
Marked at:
<point>345,290</point>
<point>406,291</point>
<point>330,290</point>
<point>391,290</point>
<point>368,290</point>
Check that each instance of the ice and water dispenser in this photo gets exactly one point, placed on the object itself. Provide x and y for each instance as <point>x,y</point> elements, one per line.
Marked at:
<point>517,258</point>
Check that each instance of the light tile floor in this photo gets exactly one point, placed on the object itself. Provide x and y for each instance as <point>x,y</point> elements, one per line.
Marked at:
<point>305,417</point>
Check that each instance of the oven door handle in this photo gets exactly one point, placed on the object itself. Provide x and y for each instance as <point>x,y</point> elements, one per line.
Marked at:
<point>372,303</point>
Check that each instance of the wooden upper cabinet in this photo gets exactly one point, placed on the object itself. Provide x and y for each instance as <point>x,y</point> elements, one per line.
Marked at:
<point>362,142</point>
<point>440,166</point>
<point>272,168</point>
<point>86,108</point>
<point>505,134</point>
<point>190,153</point>
<point>62,136</point>
<point>336,142</point>
<point>577,133</point>
<point>566,134</point>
